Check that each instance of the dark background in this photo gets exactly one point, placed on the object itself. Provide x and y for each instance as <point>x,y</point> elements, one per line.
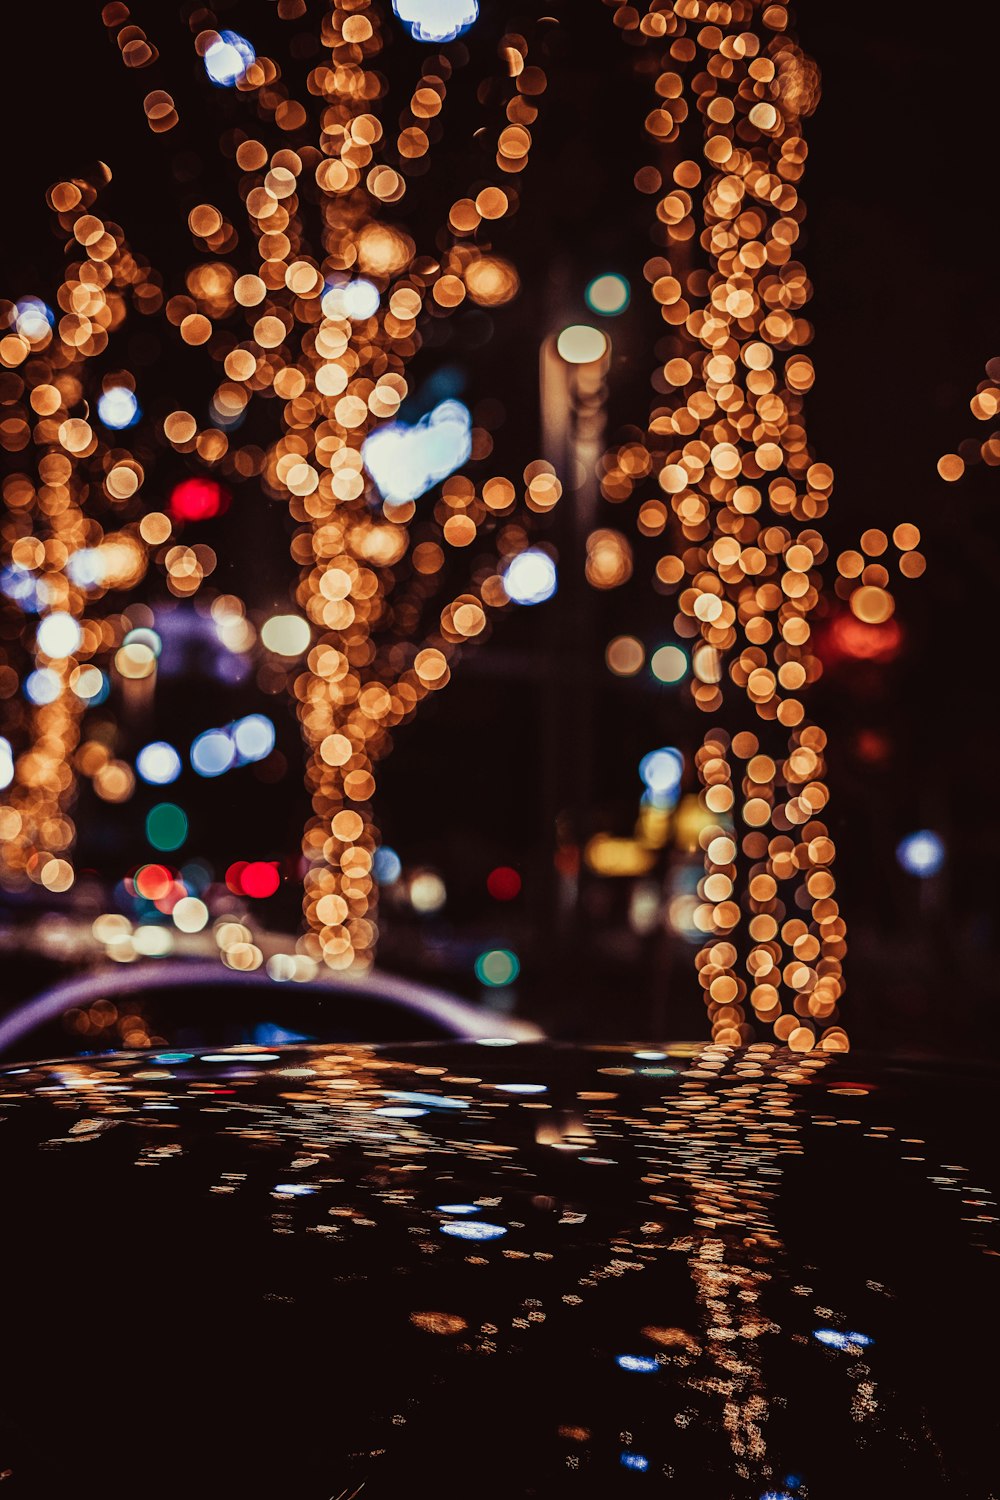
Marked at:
<point>900,248</point>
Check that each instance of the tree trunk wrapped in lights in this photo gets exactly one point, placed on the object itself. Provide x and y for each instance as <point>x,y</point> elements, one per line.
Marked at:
<point>727,447</point>
<point>61,494</point>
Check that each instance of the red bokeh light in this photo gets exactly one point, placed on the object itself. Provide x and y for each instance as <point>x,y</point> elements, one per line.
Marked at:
<point>198,499</point>
<point>153,881</point>
<point>258,879</point>
<point>872,747</point>
<point>503,883</point>
<point>860,641</point>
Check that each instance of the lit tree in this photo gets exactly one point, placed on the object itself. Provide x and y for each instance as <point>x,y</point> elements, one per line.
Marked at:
<point>322,314</point>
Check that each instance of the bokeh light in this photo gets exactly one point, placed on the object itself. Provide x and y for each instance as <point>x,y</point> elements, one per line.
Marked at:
<point>436,20</point>
<point>530,577</point>
<point>158,763</point>
<point>669,664</point>
<point>405,462</point>
<point>387,867</point>
<point>259,879</point>
<point>921,853</point>
<point>833,1338</point>
<point>427,892</point>
<point>503,883</point>
<point>190,914</point>
<point>166,826</point>
<point>637,1364</point>
<point>42,686</point>
<point>625,656</point>
<point>608,295</point>
<point>286,635</point>
<point>357,299</point>
<point>228,58</point>
<point>153,882</point>
<point>497,967</point>
<point>118,408</point>
<point>212,753</point>
<point>58,635</point>
<point>661,771</point>
<point>580,344</point>
<point>472,1229</point>
<point>254,737</point>
<point>198,499</point>
<point>6,763</point>
<point>33,319</point>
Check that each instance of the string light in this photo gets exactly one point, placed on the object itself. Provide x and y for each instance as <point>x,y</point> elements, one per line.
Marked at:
<point>726,454</point>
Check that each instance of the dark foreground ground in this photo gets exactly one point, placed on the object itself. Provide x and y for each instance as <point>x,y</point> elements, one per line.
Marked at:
<point>470,1270</point>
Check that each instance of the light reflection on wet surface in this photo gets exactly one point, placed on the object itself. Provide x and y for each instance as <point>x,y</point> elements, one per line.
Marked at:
<point>534,1271</point>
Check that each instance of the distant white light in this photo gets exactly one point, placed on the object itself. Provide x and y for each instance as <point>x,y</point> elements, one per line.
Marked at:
<point>294,1189</point>
<point>21,585</point>
<point>86,567</point>
<point>43,686</point>
<point>436,20</point>
<point>433,1101</point>
<point>427,892</point>
<point>637,1364</point>
<point>58,635</point>
<point>921,854</point>
<point>212,753</point>
<point>190,914</point>
<point>143,636</point>
<point>387,866</point>
<point>158,763</point>
<point>458,1208</point>
<point>662,770</point>
<point>227,60</point>
<point>357,300</point>
<point>522,1088</point>
<point>286,635</point>
<point>834,1339</point>
<point>152,941</point>
<point>400,1111</point>
<point>33,318</point>
<point>405,462</point>
<point>608,294</point>
<point>6,763</point>
<point>253,737</point>
<point>118,407</point>
<point>476,1229</point>
<point>581,345</point>
<point>530,577</point>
